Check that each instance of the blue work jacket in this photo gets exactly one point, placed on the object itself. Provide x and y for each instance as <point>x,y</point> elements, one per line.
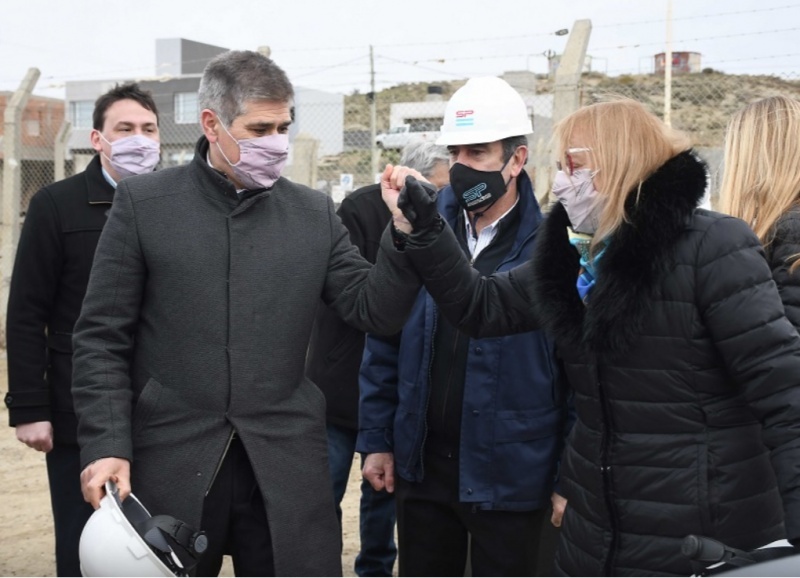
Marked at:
<point>514,414</point>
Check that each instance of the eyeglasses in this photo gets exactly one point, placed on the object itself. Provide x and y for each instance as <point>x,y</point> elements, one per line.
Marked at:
<point>570,164</point>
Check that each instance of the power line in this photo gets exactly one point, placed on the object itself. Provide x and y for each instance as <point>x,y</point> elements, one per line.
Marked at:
<point>319,69</point>
<point>698,17</point>
<point>533,34</point>
<point>660,43</point>
<point>414,64</point>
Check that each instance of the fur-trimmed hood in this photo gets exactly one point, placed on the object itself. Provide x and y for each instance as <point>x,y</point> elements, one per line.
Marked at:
<point>639,253</point>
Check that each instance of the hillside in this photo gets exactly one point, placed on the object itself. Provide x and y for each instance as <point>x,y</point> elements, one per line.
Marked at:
<point>701,103</point>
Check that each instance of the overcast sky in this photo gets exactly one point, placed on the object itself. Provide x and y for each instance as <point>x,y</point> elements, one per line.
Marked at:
<point>325,44</point>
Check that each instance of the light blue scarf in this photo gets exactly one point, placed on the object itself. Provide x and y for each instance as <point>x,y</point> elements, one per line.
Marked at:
<point>587,277</point>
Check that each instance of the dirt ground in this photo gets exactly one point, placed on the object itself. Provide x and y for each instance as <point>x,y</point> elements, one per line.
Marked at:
<point>26,525</point>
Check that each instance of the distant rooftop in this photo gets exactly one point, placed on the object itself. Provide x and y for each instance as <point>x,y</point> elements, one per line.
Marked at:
<point>181,57</point>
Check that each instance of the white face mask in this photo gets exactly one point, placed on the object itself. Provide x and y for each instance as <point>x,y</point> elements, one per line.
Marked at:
<point>581,200</point>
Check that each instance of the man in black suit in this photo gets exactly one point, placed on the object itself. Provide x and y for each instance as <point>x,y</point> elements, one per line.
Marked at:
<point>334,360</point>
<point>54,257</point>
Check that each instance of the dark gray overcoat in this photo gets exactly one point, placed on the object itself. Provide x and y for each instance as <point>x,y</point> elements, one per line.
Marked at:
<point>196,322</point>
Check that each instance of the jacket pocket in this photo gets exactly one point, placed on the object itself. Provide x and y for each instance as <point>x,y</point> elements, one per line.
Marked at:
<point>704,503</point>
<point>524,441</point>
<point>145,405</point>
<point>520,426</point>
<point>727,415</point>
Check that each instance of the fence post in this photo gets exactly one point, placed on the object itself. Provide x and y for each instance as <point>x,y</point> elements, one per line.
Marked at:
<point>304,160</point>
<point>60,150</point>
<point>566,96</point>
<point>12,183</point>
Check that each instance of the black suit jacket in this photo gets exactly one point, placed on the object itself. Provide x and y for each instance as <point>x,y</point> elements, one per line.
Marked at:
<point>51,271</point>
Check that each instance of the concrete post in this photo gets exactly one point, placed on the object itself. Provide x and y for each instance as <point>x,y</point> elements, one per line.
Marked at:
<point>60,150</point>
<point>12,183</point>
<point>566,96</point>
<point>304,160</point>
<point>668,69</point>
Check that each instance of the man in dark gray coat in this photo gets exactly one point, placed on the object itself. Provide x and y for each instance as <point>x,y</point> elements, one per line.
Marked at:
<point>189,353</point>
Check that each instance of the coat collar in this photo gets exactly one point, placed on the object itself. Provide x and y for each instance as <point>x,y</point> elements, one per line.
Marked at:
<point>217,185</point>
<point>98,189</point>
<point>639,253</point>
<point>208,175</point>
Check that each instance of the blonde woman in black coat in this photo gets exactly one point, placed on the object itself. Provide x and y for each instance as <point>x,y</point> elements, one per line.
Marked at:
<point>684,368</point>
<point>761,186</point>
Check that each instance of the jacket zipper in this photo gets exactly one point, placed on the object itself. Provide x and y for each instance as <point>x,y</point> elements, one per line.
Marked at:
<point>221,459</point>
<point>449,381</point>
<point>605,470</point>
<point>427,400</point>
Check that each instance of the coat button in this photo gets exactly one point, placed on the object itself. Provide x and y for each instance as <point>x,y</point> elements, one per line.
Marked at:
<point>469,491</point>
<point>476,413</point>
<point>9,399</point>
<point>478,350</point>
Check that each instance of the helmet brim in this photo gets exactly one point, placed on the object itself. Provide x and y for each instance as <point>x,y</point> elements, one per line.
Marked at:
<point>452,138</point>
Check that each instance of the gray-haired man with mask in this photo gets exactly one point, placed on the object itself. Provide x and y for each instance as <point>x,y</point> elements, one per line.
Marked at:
<point>189,353</point>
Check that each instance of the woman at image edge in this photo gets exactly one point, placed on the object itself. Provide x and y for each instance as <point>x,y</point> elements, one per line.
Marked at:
<point>684,368</point>
<point>761,186</point>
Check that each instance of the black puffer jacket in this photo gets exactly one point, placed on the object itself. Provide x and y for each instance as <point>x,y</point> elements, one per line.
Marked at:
<point>781,253</point>
<point>682,350</point>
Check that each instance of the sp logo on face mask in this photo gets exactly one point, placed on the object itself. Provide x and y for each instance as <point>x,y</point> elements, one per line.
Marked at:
<point>473,194</point>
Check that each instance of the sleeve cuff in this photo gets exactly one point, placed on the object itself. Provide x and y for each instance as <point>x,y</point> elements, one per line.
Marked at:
<point>374,441</point>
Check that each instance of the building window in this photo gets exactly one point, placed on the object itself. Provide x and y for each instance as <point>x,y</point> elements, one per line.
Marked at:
<point>32,127</point>
<point>80,113</point>
<point>186,111</point>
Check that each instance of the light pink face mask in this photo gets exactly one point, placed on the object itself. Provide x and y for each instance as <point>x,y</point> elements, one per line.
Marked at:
<point>133,155</point>
<point>261,159</point>
<point>581,200</point>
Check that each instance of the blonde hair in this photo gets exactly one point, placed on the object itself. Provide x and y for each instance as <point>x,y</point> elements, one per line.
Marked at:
<point>628,144</point>
<point>761,181</point>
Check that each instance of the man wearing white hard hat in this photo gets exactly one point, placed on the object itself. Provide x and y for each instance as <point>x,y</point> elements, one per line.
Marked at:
<point>467,432</point>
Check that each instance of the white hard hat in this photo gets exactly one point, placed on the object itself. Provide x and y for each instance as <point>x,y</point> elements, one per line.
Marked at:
<point>485,109</point>
<point>122,539</point>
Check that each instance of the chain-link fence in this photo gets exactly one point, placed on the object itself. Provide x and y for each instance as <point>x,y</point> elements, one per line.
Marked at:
<point>333,148</point>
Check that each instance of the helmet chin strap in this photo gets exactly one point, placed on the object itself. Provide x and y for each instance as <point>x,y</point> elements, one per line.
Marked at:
<point>169,535</point>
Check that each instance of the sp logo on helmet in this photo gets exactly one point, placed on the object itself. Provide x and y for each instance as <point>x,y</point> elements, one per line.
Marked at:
<point>465,118</point>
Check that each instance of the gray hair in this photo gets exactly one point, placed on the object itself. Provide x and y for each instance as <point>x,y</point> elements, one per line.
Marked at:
<point>424,156</point>
<point>238,76</point>
<point>511,144</point>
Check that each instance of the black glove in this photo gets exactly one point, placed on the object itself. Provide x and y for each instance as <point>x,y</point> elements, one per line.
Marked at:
<point>417,200</point>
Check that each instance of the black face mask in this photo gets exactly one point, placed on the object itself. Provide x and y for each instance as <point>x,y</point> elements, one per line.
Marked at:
<point>476,189</point>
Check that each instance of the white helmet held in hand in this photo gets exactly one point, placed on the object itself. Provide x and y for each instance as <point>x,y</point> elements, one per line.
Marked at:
<point>485,109</point>
<point>122,539</point>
